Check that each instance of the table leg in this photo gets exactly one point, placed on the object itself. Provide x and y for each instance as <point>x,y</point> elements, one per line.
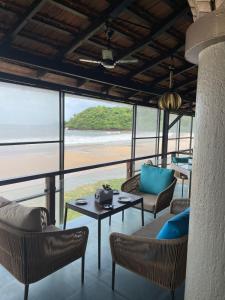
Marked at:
<point>65,218</point>
<point>142,212</point>
<point>189,190</point>
<point>99,244</point>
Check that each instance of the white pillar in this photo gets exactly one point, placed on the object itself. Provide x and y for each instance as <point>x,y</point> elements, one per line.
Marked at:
<point>205,278</point>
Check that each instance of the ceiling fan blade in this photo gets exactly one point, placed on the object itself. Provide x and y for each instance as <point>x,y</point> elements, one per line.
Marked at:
<point>90,61</point>
<point>127,61</point>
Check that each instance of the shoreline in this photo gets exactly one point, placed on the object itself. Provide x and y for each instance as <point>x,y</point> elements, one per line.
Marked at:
<point>104,130</point>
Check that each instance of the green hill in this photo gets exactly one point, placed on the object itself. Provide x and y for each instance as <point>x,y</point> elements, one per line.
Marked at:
<point>119,118</point>
<point>102,118</point>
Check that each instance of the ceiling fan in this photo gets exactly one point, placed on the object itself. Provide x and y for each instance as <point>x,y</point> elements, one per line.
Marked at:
<point>108,61</point>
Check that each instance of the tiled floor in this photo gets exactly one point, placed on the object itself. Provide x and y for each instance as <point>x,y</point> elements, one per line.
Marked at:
<point>65,283</point>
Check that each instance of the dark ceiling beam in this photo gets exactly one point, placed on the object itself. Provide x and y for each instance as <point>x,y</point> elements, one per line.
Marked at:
<point>58,67</point>
<point>186,83</point>
<point>81,82</point>
<point>32,10</point>
<point>11,78</point>
<point>165,25</point>
<point>156,61</point>
<point>112,11</point>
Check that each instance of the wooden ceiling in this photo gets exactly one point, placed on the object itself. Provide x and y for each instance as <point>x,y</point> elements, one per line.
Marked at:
<point>43,40</point>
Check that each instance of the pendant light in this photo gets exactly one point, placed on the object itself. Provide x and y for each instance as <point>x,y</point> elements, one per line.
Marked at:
<point>170,100</point>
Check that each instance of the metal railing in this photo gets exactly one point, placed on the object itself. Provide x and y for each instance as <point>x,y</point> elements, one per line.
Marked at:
<point>50,178</point>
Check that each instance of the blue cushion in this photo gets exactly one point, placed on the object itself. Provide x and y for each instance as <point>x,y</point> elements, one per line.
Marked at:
<point>183,160</point>
<point>154,180</point>
<point>175,227</point>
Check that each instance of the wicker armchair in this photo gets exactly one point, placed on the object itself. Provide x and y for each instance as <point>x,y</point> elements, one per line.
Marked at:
<point>31,256</point>
<point>152,203</point>
<point>161,261</point>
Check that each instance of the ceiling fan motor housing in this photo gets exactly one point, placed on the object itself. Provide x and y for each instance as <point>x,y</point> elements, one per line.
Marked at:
<point>107,54</point>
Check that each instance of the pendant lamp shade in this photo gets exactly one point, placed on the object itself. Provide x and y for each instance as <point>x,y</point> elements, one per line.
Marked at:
<point>170,100</point>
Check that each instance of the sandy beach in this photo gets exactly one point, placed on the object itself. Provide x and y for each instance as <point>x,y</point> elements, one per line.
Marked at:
<point>45,159</point>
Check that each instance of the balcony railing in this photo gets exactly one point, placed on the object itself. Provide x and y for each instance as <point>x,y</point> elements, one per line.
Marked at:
<point>50,178</point>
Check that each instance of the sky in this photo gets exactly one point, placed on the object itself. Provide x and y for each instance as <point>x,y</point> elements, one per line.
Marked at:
<point>76,104</point>
<point>33,106</point>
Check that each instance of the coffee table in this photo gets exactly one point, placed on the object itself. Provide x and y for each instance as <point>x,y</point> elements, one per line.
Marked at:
<point>96,211</point>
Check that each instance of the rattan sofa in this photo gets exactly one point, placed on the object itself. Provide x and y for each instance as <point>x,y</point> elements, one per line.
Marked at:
<point>152,203</point>
<point>31,256</point>
<point>161,261</point>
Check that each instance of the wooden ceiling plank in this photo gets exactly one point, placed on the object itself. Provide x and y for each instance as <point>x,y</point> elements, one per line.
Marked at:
<point>68,8</point>
<point>176,72</point>
<point>33,9</point>
<point>166,24</point>
<point>156,61</point>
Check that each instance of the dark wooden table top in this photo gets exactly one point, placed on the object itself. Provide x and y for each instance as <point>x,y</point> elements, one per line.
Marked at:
<point>94,210</point>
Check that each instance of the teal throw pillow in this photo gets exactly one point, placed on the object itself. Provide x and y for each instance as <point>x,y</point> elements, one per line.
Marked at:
<point>175,227</point>
<point>154,180</point>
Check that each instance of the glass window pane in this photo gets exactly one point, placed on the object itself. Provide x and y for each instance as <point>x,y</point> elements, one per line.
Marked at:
<point>173,130</point>
<point>194,127</point>
<point>145,147</point>
<point>184,144</point>
<point>28,114</point>
<point>40,201</point>
<point>22,190</point>
<point>146,121</point>
<point>185,126</point>
<point>172,145</point>
<point>96,131</point>
<point>22,160</point>
<point>85,183</point>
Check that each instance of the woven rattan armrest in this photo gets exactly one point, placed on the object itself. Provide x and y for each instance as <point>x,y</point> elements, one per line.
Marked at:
<point>164,198</point>
<point>178,205</point>
<point>131,185</point>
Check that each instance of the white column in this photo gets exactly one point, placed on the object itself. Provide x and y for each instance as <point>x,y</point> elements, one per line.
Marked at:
<point>205,278</point>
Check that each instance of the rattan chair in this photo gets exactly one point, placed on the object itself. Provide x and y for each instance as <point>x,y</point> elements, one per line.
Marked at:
<point>161,261</point>
<point>152,203</point>
<point>31,256</point>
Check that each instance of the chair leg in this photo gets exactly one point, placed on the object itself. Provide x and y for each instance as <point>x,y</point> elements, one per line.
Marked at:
<point>109,220</point>
<point>82,269</point>
<point>122,215</point>
<point>182,191</point>
<point>154,215</point>
<point>172,295</point>
<point>113,274</point>
<point>26,290</point>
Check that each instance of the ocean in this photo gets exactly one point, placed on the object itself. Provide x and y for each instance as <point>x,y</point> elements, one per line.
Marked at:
<point>85,137</point>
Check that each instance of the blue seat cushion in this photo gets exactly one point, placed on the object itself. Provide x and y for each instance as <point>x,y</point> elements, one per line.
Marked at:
<point>154,180</point>
<point>175,227</point>
<point>183,160</point>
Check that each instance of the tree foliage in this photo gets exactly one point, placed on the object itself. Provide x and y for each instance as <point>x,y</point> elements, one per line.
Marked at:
<point>102,118</point>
